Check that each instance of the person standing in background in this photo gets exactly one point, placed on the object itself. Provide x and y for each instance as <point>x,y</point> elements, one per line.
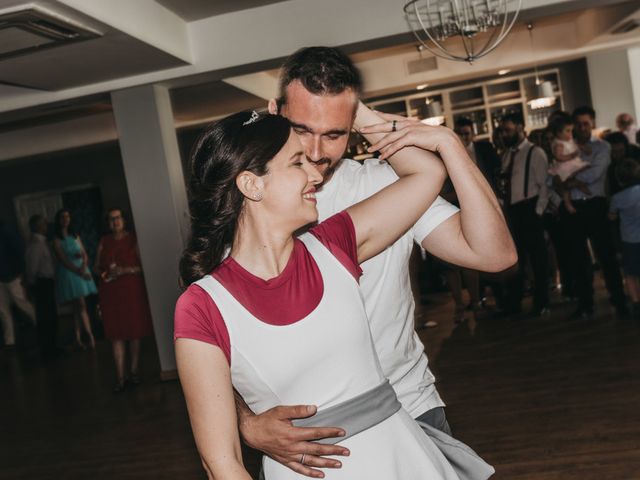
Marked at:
<point>123,297</point>
<point>73,279</point>
<point>620,149</point>
<point>627,125</point>
<point>482,152</point>
<point>566,154</point>
<point>39,276</point>
<point>626,205</point>
<point>588,196</point>
<point>485,157</point>
<point>524,173</point>
<point>11,287</point>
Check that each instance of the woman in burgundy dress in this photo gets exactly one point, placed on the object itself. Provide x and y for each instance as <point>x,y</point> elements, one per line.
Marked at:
<point>123,297</point>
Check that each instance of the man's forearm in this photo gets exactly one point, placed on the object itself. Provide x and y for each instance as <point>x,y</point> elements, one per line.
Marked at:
<point>481,218</point>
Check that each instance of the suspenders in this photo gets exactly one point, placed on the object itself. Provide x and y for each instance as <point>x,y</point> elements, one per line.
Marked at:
<point>526,171</point>
<point>505,178</point>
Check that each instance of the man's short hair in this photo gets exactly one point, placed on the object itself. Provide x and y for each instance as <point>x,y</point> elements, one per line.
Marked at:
<point>34,221</point>
<point>584,110</point>
<point>515,118</point>
<point>463,122</point>
<point>617,137</point>
<point>321,70</point>
<point>624,120</point>
<point>558,121</point>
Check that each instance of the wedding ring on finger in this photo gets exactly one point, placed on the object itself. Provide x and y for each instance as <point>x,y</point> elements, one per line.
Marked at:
<point>394,126</point>
<point>302,458</point>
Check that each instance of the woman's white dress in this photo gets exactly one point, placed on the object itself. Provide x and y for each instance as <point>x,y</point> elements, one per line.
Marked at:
<point>324,359</point>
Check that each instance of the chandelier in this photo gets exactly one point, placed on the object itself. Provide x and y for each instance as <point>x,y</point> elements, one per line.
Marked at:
<point>481,25</point>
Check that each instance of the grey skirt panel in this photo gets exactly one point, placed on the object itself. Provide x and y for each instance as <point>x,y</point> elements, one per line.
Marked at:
<point>467,464</point>
<point>356,414</point>
<point>376,405</point>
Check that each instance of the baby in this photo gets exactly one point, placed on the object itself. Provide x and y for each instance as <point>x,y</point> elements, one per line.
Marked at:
<point>566,154</point>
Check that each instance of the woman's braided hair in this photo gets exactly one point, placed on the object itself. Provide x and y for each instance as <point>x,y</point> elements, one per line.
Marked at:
<point>240,142</point>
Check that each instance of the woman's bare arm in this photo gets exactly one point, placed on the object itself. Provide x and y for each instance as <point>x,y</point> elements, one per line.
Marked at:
<point>382,218</point>
<point>96,266</point>
<point>206,383</point>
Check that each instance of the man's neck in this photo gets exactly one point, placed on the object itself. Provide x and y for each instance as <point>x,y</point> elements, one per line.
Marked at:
<point>519,144</point>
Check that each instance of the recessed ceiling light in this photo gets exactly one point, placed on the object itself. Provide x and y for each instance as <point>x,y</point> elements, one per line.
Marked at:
<point>422,87</point>
<point>503,72</point>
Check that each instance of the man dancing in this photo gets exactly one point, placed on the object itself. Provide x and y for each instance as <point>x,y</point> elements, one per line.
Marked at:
<point>319,94</point>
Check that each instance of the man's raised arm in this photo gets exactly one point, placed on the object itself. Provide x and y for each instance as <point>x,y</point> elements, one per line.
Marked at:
<point>477,237</point>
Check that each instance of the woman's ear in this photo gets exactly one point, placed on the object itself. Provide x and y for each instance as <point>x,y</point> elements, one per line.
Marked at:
<point>250,185</point>
<point>273,106</point>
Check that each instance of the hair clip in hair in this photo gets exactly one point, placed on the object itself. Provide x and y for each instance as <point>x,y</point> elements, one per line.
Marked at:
<point>254,118</point>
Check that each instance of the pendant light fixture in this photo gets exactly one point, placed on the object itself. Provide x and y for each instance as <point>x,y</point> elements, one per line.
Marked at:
<point>431,113</point>
<point>544,96</point>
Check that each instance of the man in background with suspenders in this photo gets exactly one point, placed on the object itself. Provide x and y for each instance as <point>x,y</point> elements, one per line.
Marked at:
<point>525,198</point>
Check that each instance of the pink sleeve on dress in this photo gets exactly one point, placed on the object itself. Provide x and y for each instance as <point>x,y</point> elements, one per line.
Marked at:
<point>198,318</point>
<point>338,234</point>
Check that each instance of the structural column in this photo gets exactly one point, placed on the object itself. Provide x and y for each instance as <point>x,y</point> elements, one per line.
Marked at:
<point>614,77</point>
<point>156,186</point>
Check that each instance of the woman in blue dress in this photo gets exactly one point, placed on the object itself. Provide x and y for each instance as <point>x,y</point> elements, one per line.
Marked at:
<point>73,278</point>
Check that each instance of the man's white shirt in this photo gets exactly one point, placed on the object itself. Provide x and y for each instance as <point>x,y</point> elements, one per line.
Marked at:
<point>38,259</point>
<point>385,283</point>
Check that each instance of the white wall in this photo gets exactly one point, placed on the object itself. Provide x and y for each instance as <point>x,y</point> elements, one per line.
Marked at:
<point>612,76</point>
<point>634,72</point>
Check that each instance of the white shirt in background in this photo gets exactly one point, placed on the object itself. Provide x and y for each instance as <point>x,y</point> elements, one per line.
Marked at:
<point>537,179</point>
<point>631,133</point>
<point>39,261</point>
<point>385,283</point>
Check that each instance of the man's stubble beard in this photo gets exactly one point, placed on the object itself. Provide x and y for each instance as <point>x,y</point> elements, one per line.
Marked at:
<point>328,173</point>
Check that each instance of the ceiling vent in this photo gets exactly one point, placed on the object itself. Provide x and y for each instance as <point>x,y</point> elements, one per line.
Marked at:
<point>422,65</point>
<point>33,29</point>
<point>626,27</point>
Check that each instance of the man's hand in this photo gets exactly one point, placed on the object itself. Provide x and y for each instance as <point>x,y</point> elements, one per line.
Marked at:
<point>586,148</point>
<point>273,433</point>
<point>575,183</point>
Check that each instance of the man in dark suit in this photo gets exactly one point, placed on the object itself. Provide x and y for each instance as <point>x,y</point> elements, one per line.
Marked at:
<point>487,160</point>
<point>481,152</point>
<point>620,149</point>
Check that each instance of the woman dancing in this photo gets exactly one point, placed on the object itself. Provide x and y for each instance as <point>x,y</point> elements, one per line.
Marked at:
<point>280,318</point>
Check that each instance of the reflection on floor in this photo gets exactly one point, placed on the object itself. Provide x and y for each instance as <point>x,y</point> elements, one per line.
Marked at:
<point>540,399</point>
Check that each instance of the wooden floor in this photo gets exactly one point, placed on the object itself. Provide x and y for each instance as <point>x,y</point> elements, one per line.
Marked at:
<point>539,399</point>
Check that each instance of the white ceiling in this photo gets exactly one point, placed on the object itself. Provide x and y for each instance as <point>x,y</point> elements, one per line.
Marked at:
<point>223,63</point>
<point>191,10</point>
<point>147,41</point>
<point>112,54</point>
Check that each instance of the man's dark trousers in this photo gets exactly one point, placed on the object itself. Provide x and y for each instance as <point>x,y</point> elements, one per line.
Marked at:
<point>528,234</point>
<point>590,223</point>
<point>46,315</point>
